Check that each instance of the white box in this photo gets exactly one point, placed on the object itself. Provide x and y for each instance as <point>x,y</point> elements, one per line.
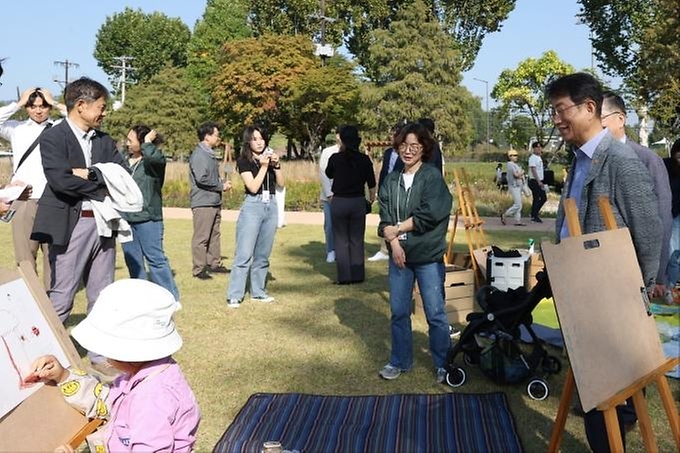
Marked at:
<point>508,273</point>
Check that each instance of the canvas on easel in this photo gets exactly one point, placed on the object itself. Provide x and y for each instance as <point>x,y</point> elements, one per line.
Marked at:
<point>33,417</point>
<point>600,300</point>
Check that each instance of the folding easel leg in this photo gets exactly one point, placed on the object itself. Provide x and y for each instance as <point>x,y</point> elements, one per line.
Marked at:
<point>562,412</point>
<point>611,421</point>
<point>642,411</point>
<point>669,405</point>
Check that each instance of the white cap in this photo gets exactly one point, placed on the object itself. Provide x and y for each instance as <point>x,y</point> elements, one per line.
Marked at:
<point>131,321</point>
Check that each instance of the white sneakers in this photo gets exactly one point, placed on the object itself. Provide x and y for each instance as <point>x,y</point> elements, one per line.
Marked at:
<point>330,257</point>
<point>380,256</point>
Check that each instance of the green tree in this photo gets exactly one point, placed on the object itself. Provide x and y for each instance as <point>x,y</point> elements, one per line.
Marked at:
<point>222,21</point>
<point>167,102</point>
<point>638,41</point>
<point>521,91</point>
<point>153,40</point>
<point>416,75</point>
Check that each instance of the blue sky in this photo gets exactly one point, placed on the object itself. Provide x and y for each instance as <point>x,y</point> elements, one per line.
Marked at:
<point>67,30</point>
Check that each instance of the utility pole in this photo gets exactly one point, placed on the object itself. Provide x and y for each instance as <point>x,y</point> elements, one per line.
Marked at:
<point>122,79</point>
<point>488,118</point>
<point>323,50</point>
<point>65,64</point>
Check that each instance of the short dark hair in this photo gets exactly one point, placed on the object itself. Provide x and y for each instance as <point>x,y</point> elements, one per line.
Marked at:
<point>675,148</point>
<point>580,87</point>
<point>141,130</point>
<point>37,94</point>
<point>349,137</point>
<point>83,89</point>
<point>206,128</point>
<point>428,123</point>
<point>611,99</point>
<point>423,136</point>
<point>536,144</point>
<point>248,133</point>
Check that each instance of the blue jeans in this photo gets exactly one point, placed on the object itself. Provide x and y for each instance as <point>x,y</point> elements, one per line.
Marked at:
<point>327,225</point>
<point>430,279</point>
<point>673,269</point>
<point>147,243</point>
<point>255,229</point>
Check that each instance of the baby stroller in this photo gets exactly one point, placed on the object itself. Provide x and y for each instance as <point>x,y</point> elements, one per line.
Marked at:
<point>491,340</point>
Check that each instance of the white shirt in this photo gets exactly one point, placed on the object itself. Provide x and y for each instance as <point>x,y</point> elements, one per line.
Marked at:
<point>326,182</point>
<point>21,135</point>
<point>536,162</point>
<point>85,141</point>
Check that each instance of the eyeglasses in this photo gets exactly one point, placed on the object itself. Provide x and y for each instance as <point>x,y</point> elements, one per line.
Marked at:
<point>412,147</point>
<point>610,114</point>
<point>554,113</point>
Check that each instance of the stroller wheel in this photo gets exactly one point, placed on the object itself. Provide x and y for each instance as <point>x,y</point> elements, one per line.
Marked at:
<point>456,377</point>
<point>537,389</point>
<point>551,364</point>
<point>469,359</point>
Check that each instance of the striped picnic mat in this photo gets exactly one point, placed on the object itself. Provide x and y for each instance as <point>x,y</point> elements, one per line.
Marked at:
<point>450,422</point>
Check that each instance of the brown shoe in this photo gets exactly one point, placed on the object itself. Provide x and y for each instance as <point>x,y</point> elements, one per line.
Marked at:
<point>218,270</point>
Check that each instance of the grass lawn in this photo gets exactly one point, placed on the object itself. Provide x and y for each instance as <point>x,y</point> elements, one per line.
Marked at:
<point>320,338</point>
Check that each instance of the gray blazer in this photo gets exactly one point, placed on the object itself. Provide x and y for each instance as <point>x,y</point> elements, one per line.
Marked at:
<point>617,172</point>
<point>204,176</point>
<point>59,206</point>
<point>662,190</point>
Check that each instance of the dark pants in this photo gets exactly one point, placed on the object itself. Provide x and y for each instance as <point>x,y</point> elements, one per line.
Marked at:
<point>349,226</point>
<point>539,198</point>
<point>596,430</point>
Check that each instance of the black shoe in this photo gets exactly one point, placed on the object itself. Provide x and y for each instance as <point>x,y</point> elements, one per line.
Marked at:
<point>203,275</point>
<point>218,270</point>
<point>537,220</point>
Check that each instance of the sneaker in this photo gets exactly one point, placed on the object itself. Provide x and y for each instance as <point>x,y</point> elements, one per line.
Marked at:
<point>218,270</point>
<point>264,299</point>
<point>441,375</point>
<point>389,372</point>
<point>233,303</point>
<point>380,256</point>
<point>330,257</point>
<point>203,275</point>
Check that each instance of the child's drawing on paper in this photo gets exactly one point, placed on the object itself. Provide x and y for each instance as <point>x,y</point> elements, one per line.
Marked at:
<point>24,336</point>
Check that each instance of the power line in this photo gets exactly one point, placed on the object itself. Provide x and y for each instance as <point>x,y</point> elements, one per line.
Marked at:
<point>123,77</point>
<point>66,65</point>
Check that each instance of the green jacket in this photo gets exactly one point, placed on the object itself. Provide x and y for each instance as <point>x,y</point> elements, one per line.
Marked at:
<point>429,202</point>
<point>149,174</point>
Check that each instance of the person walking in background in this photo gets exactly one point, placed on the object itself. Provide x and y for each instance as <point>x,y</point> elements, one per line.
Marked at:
<point>206,204</point>
<point>24,137</point>
<point>65,216</point>
<point>515,176</point>
<point>614,119</point>
<point>673,169</point>
<point>260,170</point>
<point>538,189</point>
<point>390,162</point>
<point>147,163</point>
<point>327,195</point>
<point>415,206</point>
<point>351,171</point>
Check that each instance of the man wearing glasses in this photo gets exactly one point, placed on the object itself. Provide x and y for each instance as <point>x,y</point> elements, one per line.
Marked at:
<point>28,169</point>
<point>614,119</point>
<point>603,166</point>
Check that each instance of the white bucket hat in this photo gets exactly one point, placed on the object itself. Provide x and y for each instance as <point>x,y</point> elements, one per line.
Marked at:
<point>131,321</point>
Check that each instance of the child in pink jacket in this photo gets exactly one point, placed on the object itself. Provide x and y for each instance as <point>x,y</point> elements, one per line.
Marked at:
<point>150,406</point>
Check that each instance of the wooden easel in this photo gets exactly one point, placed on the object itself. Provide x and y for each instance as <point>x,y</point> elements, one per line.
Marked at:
<point>474,231</point>
<point>634,390</point>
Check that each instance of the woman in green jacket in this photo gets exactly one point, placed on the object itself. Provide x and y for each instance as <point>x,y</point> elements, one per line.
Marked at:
<point>147,163</point>
<point>415,206</point>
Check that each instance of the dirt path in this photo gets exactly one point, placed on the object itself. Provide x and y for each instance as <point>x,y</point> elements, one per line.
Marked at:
<point>316,218</point>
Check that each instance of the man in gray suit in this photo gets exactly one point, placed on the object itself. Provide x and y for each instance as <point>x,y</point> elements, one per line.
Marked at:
<point>614,119</point>
<point>65,219</point>
<point>603,166</point>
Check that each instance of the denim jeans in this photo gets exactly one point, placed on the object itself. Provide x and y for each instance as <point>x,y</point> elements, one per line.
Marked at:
<point>327,225</point>
<point>255,230</point>
<point>147,243</point>
<point>430,279</point>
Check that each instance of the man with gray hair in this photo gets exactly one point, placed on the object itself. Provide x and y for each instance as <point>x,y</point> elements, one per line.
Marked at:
<point>65,219</point>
